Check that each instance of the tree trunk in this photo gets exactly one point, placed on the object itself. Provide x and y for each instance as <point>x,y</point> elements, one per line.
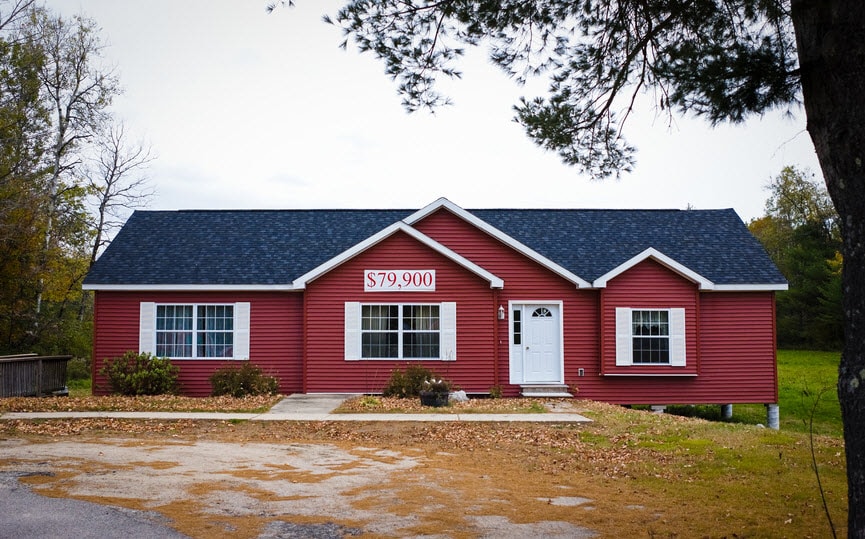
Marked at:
<point>830,37</point>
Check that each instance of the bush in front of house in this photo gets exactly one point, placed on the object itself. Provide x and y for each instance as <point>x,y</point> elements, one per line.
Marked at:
<point>408,383</point>
<point>243,381</point>
<point>140,374</point>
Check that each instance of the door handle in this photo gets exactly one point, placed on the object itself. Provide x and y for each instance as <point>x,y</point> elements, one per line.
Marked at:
<point>527,347</point>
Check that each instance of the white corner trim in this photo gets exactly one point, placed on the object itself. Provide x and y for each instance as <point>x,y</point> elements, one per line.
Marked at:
<point>664,260</point>
<point>301,282</point>
<point>499,235</point>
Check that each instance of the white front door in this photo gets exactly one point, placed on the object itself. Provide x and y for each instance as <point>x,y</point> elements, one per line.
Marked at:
<point>537,348</point>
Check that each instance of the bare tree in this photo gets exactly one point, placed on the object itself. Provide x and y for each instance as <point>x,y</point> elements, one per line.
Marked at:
<point>116,183</point>
<point>77,91</point>
<point>10,12</point>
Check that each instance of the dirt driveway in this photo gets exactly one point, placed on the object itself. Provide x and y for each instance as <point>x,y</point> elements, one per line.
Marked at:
<point>213,488</point>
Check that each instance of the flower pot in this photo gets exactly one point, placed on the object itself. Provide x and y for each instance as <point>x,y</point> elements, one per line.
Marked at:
<point>433,398</point>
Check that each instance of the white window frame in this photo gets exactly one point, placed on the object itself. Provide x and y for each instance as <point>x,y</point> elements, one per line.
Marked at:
<point>240,332</point>
<point>447,332</point>
<point>625,337</point>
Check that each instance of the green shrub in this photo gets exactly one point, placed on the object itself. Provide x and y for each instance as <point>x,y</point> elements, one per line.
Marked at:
<point>240,382</point>
<point>408,383</point>
<point>140,374</point>
<point>78,368</point>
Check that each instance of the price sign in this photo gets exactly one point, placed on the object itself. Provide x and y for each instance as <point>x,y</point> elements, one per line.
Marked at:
<point>399,280</point>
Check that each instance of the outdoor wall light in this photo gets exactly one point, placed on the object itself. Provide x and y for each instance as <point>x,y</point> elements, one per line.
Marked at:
<point>501,312</point>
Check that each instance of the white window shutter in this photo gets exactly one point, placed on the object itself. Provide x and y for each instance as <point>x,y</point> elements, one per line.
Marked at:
<point>146,327</point>
<point>241,330</point>
<point>624,339</point>
<point>448,349</point>
<point>352,330</point>
<point>677,337</point>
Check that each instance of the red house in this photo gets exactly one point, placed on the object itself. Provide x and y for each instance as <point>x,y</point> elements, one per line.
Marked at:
<point>625,306</point>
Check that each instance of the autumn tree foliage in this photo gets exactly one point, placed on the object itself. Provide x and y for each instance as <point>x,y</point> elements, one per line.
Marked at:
<point>800,231</point>
<point>724,60</point>
<point>55,100</point>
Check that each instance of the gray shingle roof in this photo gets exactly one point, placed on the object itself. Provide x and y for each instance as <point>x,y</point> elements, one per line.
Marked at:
<point>274,247</point>
<point>714,243</point>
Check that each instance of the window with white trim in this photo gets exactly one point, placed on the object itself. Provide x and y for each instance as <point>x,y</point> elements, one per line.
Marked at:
<point>195,331</point>
<point>650,337</point>
<point>400,331</point>
<point>518,325</point>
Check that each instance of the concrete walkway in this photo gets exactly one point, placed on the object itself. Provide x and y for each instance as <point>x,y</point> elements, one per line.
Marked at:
<point>316,407</point>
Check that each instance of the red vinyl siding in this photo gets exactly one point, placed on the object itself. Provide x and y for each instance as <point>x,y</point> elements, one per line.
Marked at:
<point>737,359</point>
<point>649,285</point>
<point>275,335</point>
<point>525,281</point>
<point>738,348</point>
<point>730,344</point>
<point>299,337</point>
<point>328,371</point>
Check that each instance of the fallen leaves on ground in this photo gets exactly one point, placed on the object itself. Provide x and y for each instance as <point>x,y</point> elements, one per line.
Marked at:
<point>150,403</point>
<point>675,476</point>
<point>72,427</point>
<point>394,405</point>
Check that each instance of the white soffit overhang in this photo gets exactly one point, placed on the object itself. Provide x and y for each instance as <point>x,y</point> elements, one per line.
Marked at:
<point>190,287</point>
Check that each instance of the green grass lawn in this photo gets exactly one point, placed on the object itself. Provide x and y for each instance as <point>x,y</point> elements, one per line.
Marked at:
<point>79,388</point>
<point>806,383</point>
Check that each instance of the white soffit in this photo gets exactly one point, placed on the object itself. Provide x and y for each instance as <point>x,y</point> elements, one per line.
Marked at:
<point>190,287</point>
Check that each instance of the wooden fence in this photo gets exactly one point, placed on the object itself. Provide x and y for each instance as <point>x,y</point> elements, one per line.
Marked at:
<point>29,375</point>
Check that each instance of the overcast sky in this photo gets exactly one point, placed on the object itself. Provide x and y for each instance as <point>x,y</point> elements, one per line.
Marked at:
<point>250,110</point>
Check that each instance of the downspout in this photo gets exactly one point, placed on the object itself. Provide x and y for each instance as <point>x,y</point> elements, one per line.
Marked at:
<point>698,354</point>
<point>774,342</point>
<point>95,343</point>
<point>496,342</point>
<point>305,352</point>
<point>601,330</point>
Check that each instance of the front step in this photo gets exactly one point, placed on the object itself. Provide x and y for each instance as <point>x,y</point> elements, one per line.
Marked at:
<point>552,390</point>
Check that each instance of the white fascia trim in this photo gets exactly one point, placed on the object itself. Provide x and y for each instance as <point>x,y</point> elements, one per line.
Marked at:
<point>301,282</point>
<point>750,287</point>
<point>499,235</point>
<point>191,287</point>
<point>651,252</point>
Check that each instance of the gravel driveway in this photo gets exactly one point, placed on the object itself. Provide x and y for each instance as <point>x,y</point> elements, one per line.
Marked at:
<point>174,487</point>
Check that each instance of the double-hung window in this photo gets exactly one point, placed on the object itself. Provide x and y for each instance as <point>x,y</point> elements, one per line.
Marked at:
<point>400,331</point>
<point>195,331</point>
<point>651,337</point>
<point>650,330</point>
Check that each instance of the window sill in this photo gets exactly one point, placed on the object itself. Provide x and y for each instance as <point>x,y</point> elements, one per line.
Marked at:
<point>207,359</point>
<point>652,374</point>
<point>401,359</point>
